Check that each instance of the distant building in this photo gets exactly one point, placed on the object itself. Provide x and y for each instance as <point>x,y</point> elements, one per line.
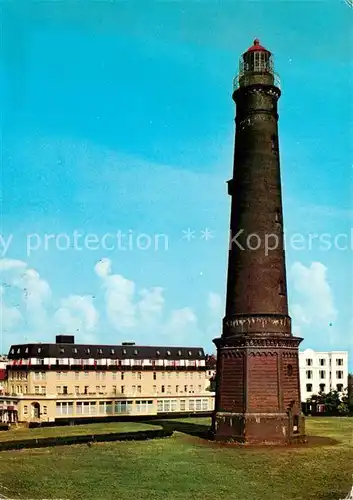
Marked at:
<point>64,380</point>
<point>322,372</point>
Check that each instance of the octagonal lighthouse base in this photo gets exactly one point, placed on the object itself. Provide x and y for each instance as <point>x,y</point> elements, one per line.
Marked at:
<point>258,428</point>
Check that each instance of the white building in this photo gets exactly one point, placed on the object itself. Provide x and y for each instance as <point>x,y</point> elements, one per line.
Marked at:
<point>322,372</point>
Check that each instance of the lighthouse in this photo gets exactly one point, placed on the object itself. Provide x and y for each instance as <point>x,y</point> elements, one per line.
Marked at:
<point>257,384</point>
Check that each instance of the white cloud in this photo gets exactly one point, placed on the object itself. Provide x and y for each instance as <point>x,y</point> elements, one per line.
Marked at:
<point>77,315</point>
<point>315,294</point>
<point>128,310</point>
<point>151,304</point>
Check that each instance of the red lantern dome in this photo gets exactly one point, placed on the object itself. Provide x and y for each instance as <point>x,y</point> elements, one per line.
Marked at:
<point>256,47</point>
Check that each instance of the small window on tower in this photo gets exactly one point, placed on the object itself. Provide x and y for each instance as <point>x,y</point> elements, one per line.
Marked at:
<point>278,217</point>
<point>274,146</point>
<point>282,288</point>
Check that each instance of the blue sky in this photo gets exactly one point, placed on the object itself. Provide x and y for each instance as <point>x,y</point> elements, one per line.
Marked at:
<point>119,117</point>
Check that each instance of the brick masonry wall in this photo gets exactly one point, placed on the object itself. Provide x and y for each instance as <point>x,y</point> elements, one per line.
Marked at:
<point>232,385</point>
<point>262,383</point>
<point>290,381</point>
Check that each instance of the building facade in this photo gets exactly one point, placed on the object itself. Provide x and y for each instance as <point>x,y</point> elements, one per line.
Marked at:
<point>322,372</point>
<point>51,382</point>
<point>257,384</point>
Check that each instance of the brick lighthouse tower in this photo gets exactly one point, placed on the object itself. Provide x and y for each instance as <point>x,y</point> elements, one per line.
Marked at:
<point>258,388</point>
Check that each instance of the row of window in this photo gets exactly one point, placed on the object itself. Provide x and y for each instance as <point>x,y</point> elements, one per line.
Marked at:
<point>102,389</point>
<point>167,405</point>
<point>322,362</point>
<point>322,374</point>
<point>103,407</point>
<point>309,387</point>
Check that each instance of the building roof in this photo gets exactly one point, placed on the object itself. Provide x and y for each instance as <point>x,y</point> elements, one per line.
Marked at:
<point>257,47</point>
<point>87,351</point>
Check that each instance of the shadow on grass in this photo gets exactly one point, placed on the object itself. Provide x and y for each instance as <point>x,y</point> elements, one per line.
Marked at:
<point>192,429</point>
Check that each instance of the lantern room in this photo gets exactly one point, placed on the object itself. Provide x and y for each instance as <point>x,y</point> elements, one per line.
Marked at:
<point>256,66</point>
<point>257,59</point>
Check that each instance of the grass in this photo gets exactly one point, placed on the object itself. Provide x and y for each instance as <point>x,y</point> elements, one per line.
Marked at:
<point>185,467</point>
<point>75,430</point>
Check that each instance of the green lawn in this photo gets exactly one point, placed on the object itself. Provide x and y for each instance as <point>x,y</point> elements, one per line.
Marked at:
<point>74,430</point>
<point>184,467</point>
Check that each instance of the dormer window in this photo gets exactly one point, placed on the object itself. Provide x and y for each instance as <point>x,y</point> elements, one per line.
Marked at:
<point>12,351</point>
<point>112,351</point>
<point>168,353</point>
<point>124,351</point>
<point>190,353</point>
<point>88,351</point>
<point>135,352</point>
<point>74,350</point>
<point>100,351</point>
<point>179,353</point>
<point>38,350</point>
<point>200,353</point>
<point>158,353</point>
<point>26,350</point>
<point>61,350</point>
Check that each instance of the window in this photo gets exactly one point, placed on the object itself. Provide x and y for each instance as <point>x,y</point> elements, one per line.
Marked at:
<point>45,410</point>
<point>77,389</point>
<point>58,389</point>
<point>198,405</point>
<point>199,388</point>
<point>322,387</point>
<point>274,143</point>
<point>162,388</point>
<point>25,410</point>
<point>204,404</point>
<point>185,388</point>
<point>139,389</point>
<point>322,374</point>
<point>169,389</point>
<point>122,389</point>
<point>123,407</point>
<point>309,374</point>
<point>339,387</point>
<point>176,388</point>
<point>309,362</point>
<point>290,370</point>
<point>281,288</point>
<point>154,389</point>
<point>100,351</point>
<point>154,376</point>
<point>98,388</point>
<point>322,362</point>
<point>44,390</point>
<point>64,408</point>
<point>134,388</point>
<point>192,404</point>
<point>339,362</point>
<point>77,375</point>
<point>112,351</point>
<point>85,389</point>
<point>65,389</point>
<point>36,389</point>
<point>309,387</point>
<point>114,375</point>
<point>122,375</point>
<point>339,374</point>
<point>182,404</point>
